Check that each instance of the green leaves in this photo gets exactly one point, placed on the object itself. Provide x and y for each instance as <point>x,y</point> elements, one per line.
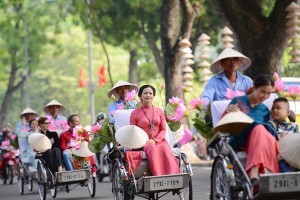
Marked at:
<point>170,109</point>
<point>102,137</point>
<point>174,126</point>
<point>202,127</point>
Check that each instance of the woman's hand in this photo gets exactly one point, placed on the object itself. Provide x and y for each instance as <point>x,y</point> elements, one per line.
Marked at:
<point>232,108</point>
<point>150,141</point>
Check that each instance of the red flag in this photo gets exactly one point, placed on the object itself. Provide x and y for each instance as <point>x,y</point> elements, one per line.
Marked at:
<point>101,76</point>
<point>82,78</point>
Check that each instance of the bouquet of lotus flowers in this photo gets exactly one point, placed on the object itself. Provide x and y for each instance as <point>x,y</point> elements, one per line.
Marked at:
<point>279,87</point>
<point>77,137</point>
<point>102,135</point>
<point>130,97</point>
<point>176,110</point>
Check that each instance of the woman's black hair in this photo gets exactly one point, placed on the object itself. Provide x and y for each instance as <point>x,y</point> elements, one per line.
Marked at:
<point>263,80</point>
<point>30,122</point>
<point>146,86</point>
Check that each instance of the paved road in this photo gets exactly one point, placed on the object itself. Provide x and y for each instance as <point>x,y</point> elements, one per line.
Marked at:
<point>201,184</point>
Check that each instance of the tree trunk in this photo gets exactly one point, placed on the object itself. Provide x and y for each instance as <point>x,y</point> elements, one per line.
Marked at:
<point>132,67</point>
<point>10,89</point>
<point>175,27</point>
<point>262,39</point>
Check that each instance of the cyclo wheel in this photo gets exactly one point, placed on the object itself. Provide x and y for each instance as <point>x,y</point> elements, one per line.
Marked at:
<point>220,183</point>
<point>10,173</point>
<point>67,189</point>
<point>5,174</point>
<point>30,184</point>
<point>41,181</point>
<point>20,177</point>
<point>187,192</point>
<point>91,184</point>
<point>53,191</point>
<point>117,183</point>
<point>53,188</point>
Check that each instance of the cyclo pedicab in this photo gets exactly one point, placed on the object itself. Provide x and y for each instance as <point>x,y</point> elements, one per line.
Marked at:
<point>229,179</point>
<point>141,183</point>
<point>48,180</point>
<point>26,167</point>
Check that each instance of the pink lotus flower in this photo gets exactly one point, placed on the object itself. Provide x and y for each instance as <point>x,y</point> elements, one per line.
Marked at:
<point>230,94</point>
<point>279,85</point>
<point>197,103</point>
<point>170,118</point>
<point>95,128</point>
<point>64,125</point>
<point>294,91</point>
<point>187,136</point>
<point>120,107</point>
<point>13,136</point>
<point>74,144</point>
<point>5,143</point>
<point>275,76</point>
<point>176,101</point>
<point>130,96</point>
<point>180,112</point>
<point>77,131</point>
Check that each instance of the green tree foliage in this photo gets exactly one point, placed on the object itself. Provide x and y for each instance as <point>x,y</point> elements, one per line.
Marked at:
<point>130,24</point>
<point>18,22</point>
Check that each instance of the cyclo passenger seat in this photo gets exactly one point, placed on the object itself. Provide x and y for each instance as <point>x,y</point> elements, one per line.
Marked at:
<point>122,118</point>
<point>219,107</point>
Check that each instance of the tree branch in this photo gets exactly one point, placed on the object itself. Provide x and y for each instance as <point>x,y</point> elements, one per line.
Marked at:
<point>189,14</point>
<point>98,33</point>
<point>152,45</point>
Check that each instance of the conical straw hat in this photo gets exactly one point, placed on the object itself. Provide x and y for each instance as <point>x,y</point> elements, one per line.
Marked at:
<point>84,150</point>
<point>244,62</point>
<point>53,103</point>
<point>289,149</point>
<point>119,84</point>
<point>27,111</point>
<point>131,136</point>
<point>233,123</point>
<point>39,142</point>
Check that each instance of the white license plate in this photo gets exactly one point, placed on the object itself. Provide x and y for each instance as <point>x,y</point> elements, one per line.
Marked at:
<point>165,183</point>
<point>73,176</point>
<point>284,183</point>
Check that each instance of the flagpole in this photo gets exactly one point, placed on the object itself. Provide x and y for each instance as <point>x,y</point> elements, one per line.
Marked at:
<point>91,84</point>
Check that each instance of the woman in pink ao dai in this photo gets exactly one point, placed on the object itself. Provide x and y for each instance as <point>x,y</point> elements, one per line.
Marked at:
<point>152,120</point>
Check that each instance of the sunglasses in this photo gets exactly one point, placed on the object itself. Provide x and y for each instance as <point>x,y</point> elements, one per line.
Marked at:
<point>46,123</point>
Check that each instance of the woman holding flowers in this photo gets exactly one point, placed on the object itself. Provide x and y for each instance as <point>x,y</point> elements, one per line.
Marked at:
<point>152,120</point>
<point>51,156</point>
<point>258,139</point>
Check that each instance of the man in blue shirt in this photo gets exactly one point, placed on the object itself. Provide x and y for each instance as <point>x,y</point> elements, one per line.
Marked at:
<point>227,67</point>
<point>119,91</point>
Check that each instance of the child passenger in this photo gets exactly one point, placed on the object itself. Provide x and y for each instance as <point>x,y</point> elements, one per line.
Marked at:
<point>280,112</point>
